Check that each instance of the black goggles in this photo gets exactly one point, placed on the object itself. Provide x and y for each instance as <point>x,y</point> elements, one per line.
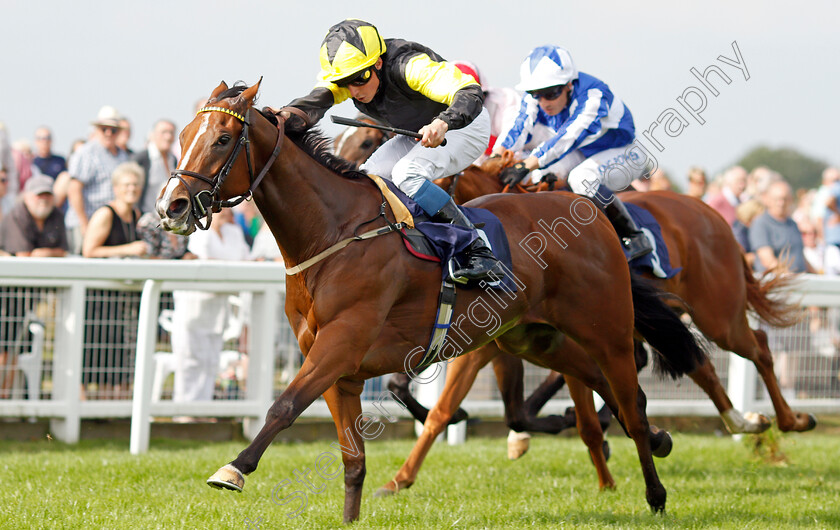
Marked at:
<point>550,93</point>
<point>357,79</point>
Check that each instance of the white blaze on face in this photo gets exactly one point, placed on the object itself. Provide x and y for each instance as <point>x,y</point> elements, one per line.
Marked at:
<point>341,142</point>
<point>170,189</point>
<point>173,182</point>
<point>201,130</point>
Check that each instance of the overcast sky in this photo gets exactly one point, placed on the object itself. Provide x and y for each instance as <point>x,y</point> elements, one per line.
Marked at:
<point>62,61</point>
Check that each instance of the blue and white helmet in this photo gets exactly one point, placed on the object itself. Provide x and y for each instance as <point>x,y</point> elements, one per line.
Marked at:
<point>545,67</point>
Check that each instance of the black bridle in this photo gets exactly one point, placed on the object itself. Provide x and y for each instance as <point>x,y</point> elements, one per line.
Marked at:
<point>203,203</point>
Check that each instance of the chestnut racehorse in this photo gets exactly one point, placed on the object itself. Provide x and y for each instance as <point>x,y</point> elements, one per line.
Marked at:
<point>715,283</point>
<point>361,141</point>
<point>358,304</point>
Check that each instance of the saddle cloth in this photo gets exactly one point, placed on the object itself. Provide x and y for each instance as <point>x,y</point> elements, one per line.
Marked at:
<point>445,242</point>
<point>656,262</point>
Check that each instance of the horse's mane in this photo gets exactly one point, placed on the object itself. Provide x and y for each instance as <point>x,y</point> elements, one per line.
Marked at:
<point>317,145</point>
<point>312,141</point>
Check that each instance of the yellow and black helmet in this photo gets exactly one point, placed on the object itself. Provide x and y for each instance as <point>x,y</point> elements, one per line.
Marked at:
<point>350,47</point>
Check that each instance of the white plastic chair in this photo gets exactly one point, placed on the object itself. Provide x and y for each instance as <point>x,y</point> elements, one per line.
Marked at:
<point>30,363</point>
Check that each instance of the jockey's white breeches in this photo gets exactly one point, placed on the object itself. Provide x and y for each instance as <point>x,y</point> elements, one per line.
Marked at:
<point>408,164</point>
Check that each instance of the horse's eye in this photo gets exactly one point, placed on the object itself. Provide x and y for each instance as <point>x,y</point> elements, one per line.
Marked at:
<point>367,144</point>
<point>223,139</point>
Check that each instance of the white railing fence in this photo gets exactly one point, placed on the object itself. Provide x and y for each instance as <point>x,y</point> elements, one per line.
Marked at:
<point>89,341</point>
<point>93,322</point>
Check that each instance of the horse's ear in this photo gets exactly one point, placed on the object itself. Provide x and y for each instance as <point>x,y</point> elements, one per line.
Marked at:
<point>251,92</point>
<point>507,158</point>
<point>218,90</point>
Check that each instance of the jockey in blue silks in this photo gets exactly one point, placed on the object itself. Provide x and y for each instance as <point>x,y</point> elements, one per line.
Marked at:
<point>574,128</point>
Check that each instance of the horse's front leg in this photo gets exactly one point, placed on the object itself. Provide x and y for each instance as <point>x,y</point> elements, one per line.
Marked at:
<point>346,409</point>
<point>332,356</point>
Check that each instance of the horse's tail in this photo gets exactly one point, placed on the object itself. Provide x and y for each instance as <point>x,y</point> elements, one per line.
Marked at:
<point>676,348</point>
<point>773,310</point>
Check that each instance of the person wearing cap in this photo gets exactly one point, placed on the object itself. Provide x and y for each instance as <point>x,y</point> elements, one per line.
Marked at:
<point>407,85</point>
<point>35,227</point>
<point>90,170</point>
<point>573,127</point>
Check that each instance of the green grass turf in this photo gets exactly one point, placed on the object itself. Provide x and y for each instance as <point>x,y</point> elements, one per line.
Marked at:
<point>712,482</point>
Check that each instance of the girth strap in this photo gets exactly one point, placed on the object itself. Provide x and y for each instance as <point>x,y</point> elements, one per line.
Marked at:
<point>340,245</point>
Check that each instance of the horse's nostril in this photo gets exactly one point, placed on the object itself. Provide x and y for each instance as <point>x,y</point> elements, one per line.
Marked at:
<point>177,208</point>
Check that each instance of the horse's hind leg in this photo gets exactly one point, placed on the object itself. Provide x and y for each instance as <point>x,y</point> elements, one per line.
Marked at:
<point>589,428</point>
<point>751,344</point>
<point>620,370</point>
<point>399,385</point>
<point>552,384</point>
<point>706,378</point>
<point>509,372</point>
<point>786,418</point>
<point>460,376</point>
<point>509,376</point>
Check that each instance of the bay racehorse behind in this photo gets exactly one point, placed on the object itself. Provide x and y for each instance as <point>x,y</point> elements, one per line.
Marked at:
<point>360,141</point>
<point>715,284</point>
<point>361,307</point>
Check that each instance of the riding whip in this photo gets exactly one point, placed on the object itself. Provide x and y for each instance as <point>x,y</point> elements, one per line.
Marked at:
<point>356,123</point>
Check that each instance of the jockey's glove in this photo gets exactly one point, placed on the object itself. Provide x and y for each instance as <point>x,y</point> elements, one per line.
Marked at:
<point>514,174</point>
<point>549,179</point>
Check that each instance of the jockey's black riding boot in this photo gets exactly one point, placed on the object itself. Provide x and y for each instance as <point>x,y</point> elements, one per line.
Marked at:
<point>633,239</point>
<point>481,261</point>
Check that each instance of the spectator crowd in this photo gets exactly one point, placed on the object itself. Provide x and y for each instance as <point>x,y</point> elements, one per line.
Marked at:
<point>99,203</point>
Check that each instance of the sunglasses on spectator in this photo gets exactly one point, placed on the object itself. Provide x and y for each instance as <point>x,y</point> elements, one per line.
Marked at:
<point>360,79</point>
<point>106,129</point>
<point>43,138</point>
<point>549,94</point>
<point>3,181</point>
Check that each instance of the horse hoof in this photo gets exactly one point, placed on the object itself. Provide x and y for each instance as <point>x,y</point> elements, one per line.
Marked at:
<point>383,492</point>
<point>812,423</point>
<point>518,444</point>
<point>664,448</point>
<point>228,477</point>
<point>756,423</point>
